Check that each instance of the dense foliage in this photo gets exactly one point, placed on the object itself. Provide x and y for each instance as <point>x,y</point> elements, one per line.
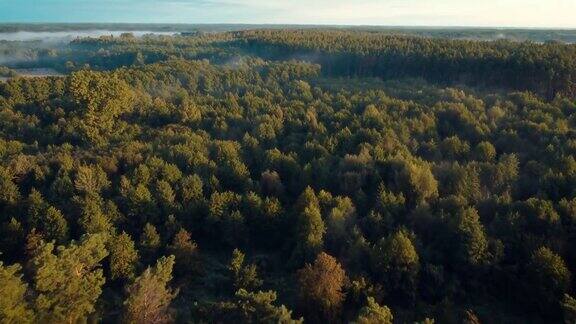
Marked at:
<point>191,183</point>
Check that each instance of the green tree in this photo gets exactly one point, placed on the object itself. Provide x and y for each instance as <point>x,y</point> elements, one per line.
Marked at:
<point>45,218</point>
<point>244,277</point>
<point>99,98</point>
<point>141,204</point>
<point>549,276</point>
<point>192,192</point>
<point>541,216</point>
<point>185,250</point>
<point>569,309</point>
<point>165,196</point>
<point>93,219</point>
<point>54,226</point>
<point>36,208</point>
<point>339,224</point>
<point>373,313</point>
<point>485,152</point>
<point>91,180</point>
<point>472,248</point>
<point>149,297</point>
<point>225,218</point>
<point>69,282</point>
<point>397,262</point>
<point>258,307</point>
<point>150,239</point>
<point>12,238</point>
<point>123,257</point>
<point>415,180</point>
<point>9,192</point>
<point>310,228</point>
<point>14,307</point>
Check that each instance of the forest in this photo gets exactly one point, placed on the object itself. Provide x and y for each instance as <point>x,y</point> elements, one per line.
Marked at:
<point>288,176</point>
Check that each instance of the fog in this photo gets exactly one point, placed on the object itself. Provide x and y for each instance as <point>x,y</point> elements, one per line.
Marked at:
<point>67,36</point>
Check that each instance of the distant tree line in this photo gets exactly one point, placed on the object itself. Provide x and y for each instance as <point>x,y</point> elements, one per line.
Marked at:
<point>547,69</point>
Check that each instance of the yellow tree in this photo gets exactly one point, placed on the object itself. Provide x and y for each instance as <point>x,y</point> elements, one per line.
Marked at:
<point>321,286</point>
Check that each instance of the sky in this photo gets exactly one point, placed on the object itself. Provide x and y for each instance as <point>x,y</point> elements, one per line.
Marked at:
<point>479,13</point>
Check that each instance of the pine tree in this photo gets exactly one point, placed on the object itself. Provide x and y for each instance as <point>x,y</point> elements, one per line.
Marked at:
<point>310,228</point>
<point>14,308</point>
<point>45,218</point>
<point>98,110</point>
<point>397,263</point>
<point>549,278</point>
<point>149,297</point>
<point>9,192</point>
<point>93,220</point>
<point>36,208</point>
<point>165,196</point>
<point>192,191</point>
<point>569,309</point>
<point>55,226</point>
<point>123,257</point>
<point>416,180</point>
<point>258,307</point>
<point>91,180</point>
<point>69,282</point>
<point>373,313</point>
<point>244,277</point>
<point>186,252</point>
<point>472,248</point>
<point>12,237</point>
<point>142,206</point>
<point>150,239</point>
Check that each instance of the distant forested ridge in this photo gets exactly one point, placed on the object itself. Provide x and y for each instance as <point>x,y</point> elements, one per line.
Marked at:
<point>288,176</point>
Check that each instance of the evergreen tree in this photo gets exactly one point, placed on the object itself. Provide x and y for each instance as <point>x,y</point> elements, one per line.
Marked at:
<point>149,297</point>
<point>549,278</point>
<point>99,109</point>
<point>258,307</point>
<point>309,228</point>
<point>69,282</point>
<point>36,208</point>
<point>91,180</point>
<point>397,263</point>
<point>186,253</point>
<point>569,309</point>
<point>472,242</point>
<point>123,257</point>
<point>93,219</point>
<point>14,307</point>
<point>165,196</point>
<point>244,277</point>
<point>373,313</point>
<point>9,192</point>
<point>12,238</point>
<point>54,226</point>
<point>150,239</point>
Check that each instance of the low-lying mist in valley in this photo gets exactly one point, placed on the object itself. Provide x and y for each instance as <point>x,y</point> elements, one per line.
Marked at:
<point>67,36</point>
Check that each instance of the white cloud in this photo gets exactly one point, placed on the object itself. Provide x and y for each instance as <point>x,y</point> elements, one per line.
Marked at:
<point>529,13</point>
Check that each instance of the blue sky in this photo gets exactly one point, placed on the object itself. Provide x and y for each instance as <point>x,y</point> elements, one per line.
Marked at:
<point>498,13</point>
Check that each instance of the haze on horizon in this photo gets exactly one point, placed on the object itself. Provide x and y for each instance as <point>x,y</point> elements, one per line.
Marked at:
<point>488,13</point>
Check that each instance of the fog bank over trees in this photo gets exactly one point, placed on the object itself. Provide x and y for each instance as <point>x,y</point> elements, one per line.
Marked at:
<point>68,36</point>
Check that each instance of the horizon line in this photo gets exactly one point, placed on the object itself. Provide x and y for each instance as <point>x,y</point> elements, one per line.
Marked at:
<point>293,24</point>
